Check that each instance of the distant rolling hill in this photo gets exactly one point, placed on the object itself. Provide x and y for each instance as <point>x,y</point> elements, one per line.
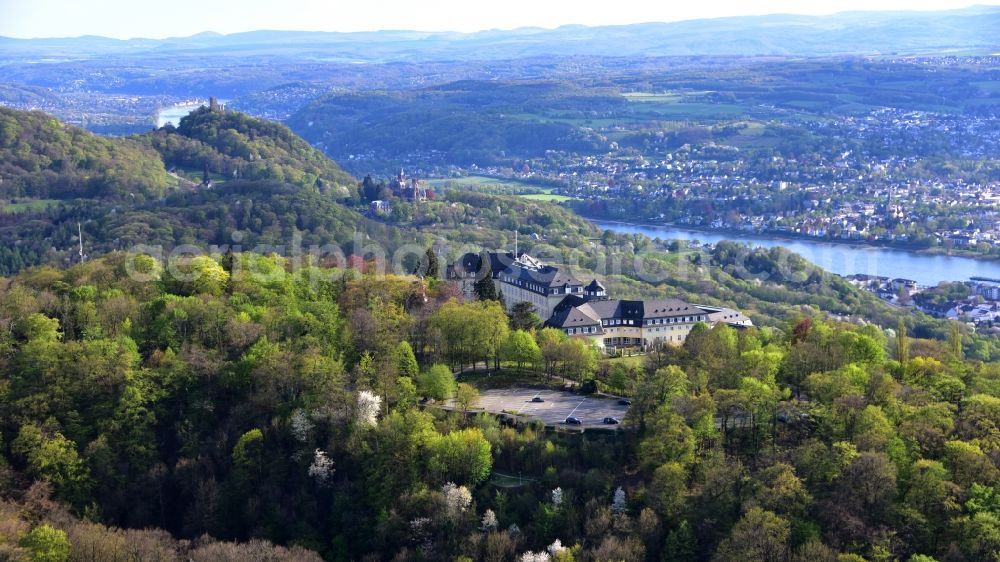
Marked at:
<point>906,32</point>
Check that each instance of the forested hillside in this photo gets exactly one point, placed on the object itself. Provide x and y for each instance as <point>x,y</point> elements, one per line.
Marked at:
<point>260,401</point>
<point>43,158</point>
<point>481,122</point>
<point>263,406</point>
<point>266,183</point>
<point>237,146</point>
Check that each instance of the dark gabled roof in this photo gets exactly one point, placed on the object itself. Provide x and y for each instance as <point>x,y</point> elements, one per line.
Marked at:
<point>631,310</point>
<point>569,302</point>
<point>621,309</point>
<point>505,264</point>
<point>639,310</point>
<point>727,316</point>
<point>469,263</point>
<point>575,317</point>
<point>546,276</point>
<point>594,286</point>
<point>466,265</point>
<point>665,308</point>
<point>500,262</point>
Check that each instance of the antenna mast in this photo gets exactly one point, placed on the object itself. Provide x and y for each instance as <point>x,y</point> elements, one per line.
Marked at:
<point>79,230</point>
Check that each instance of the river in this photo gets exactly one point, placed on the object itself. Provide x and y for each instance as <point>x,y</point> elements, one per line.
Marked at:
<point>842,259</point>
<point>175,113</point>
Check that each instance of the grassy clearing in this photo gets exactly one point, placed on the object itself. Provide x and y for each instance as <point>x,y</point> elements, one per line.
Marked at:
<point>553,197</point>
<point>669,97</point>
<point>21,206</point>
<point>628,360</point>
<point>695,110</point>
<point>478,181</point>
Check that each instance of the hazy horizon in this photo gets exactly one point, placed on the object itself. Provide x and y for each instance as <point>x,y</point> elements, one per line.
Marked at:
<point>120,19</point>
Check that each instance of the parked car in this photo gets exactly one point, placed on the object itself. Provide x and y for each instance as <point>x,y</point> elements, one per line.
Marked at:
<point>611,421</point>
<point>573,421</point>
<point>624,402</point>
<point>538,399</point>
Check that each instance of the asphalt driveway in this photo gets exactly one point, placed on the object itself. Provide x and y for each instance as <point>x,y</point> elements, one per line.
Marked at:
<point>553,411</point>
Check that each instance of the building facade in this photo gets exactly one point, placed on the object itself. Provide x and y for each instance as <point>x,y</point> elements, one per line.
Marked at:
<point>587,311</point>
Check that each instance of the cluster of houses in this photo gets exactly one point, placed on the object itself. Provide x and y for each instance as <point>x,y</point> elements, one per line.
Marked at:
<point>884,196</point>
<point>980,308</point>
<point>887,288</point>
<point>587,311</point>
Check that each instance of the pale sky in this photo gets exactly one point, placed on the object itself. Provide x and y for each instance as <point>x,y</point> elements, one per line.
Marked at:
<point>140,18</point>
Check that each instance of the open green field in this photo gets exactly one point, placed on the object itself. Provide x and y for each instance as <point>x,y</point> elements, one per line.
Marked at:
<point>651,97</point>
<point>26,206</point>
<point>546,195</point>
<point>661,97</point>
<point>627,360</point>
<point>693,110</point>
<point>499,186</point>
<point>478,181</point>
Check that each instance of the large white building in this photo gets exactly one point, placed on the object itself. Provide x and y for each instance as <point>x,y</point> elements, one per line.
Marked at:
<point>564,303</point>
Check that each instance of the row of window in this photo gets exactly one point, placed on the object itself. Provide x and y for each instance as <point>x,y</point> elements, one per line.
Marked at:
<point>535,287</point>
<point>594,329</point>
<point>516,297</point>
<point>653,321</point>
<point>676,320</point>
<point>566,290</point>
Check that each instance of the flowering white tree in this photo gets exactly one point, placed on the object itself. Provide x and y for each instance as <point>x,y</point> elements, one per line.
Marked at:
<point>301,425</point>
<point>556,547</point>
<point>368,408</point>
<point>557,497</point>
<point>321,468</point>
<point>535,557</point>
<point>618,505</point>
<point>456,499</point>
<point>489,521</point>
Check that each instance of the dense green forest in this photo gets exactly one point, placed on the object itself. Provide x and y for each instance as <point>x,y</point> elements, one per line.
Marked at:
<point>237,146</point>
<point>506,122</point>
<point>274,216</point>
<point>242,405</point>
<point>260,401</point>
<point>469,121</point>
<point>41,157</point>
<point>266,183</point>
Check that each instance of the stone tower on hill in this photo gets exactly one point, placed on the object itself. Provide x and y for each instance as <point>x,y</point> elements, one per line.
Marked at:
<point>214,105</point>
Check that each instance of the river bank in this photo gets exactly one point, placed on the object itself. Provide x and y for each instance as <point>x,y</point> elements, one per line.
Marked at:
<point>792,237</point>
<point>174,113</point>
<point>840,257</point>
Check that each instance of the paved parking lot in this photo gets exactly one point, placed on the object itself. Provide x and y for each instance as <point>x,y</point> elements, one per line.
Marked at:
<point>557,406</point>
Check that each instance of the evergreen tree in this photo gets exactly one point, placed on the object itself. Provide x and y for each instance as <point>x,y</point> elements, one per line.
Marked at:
<point>902,343</point>
<point>486,289</point>
<point>955,341</point>
<point>433,265</point>
<point>406,362</point>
